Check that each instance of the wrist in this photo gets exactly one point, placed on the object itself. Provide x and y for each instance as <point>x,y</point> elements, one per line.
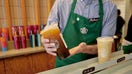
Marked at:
<point>74,50</point>
<point>91,49</point>
<point>78,49</point>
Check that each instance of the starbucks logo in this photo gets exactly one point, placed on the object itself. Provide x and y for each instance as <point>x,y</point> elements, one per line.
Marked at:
<point>84,30</point>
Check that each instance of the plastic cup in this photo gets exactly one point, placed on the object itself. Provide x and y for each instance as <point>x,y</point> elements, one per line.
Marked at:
<point>104,45</point>
<point>53,34</point>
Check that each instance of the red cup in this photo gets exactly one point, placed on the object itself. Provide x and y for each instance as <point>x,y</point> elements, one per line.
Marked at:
<point>0,32</point>
<point>35,29</point>
<point>5,33</point>
<point>23,42</point>
<point>17,42</point>
<point>3,44</point>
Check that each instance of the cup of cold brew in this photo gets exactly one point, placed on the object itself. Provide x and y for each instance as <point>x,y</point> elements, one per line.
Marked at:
<point>53,33</point>
<point>104,45</point>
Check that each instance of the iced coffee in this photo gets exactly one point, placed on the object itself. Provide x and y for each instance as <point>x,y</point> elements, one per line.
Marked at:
<point>104,45</point>
<point>52,33</point>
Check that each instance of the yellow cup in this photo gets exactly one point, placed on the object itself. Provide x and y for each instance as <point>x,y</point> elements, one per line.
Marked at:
<point>104,45</point>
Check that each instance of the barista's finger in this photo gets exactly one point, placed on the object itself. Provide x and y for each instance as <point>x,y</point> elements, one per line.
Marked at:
<point>83,44</point>
<point>45,41</point>
<point>52,49</point>
<point>50,45</point>
<point>52,53</point>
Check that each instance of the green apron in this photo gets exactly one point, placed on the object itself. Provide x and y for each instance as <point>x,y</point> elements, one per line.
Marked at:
<point>80,29</point>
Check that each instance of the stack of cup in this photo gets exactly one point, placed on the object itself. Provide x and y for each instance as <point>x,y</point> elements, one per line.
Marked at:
<point>0,32</point>
<point>3,43</point>
<point>5,33</point>
<point>4,39</point>
<point>19,37</point>
<point>22,36</point>
<point>33,35</point>
<point>16,37</point>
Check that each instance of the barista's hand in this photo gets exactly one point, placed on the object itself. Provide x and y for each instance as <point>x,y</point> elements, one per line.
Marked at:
<point>78,49</point>
<point>84,48</point>
<point>49,46</point>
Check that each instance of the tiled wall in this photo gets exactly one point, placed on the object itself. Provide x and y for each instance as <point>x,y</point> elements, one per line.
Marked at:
<point>16,12</point>
<point>2,13</point>
<point>43,11</point>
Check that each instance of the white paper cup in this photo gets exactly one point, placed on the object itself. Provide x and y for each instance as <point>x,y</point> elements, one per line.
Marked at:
<point>104,45</point>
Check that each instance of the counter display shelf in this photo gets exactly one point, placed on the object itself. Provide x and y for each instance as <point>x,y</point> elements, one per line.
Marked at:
<point>14,52</point>
<point>25,61</point>
<point>119,63</point>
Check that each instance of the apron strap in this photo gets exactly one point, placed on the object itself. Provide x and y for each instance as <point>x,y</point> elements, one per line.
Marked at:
<point>73,6</point>
<point>101,12</point>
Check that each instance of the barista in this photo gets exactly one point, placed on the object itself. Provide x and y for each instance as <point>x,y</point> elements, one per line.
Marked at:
<point>81,22</point>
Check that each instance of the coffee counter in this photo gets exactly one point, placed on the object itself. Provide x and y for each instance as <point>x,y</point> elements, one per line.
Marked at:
<point>11,52</point>
<point>118,62</point>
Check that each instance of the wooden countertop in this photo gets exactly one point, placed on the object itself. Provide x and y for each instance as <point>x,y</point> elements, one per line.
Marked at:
<point>14,52</point>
